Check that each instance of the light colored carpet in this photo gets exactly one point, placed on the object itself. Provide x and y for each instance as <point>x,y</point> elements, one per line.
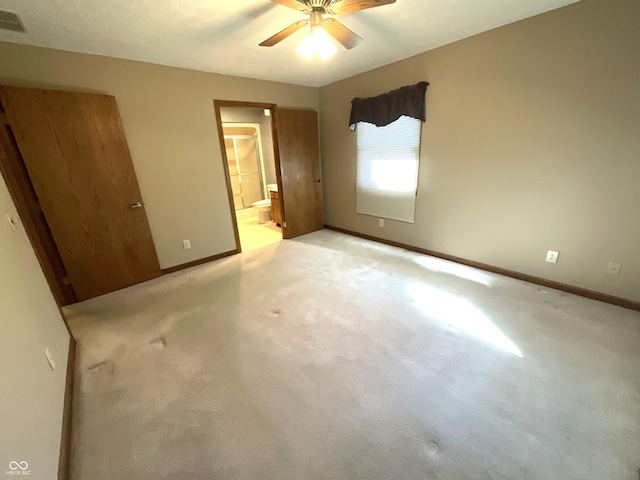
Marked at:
<point>330,357</point>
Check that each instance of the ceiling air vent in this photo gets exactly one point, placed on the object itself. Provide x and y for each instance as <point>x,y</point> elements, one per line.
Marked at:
<point>11,22</point>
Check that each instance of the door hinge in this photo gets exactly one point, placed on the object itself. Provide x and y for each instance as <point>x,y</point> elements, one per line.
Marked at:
<point>66,281</point>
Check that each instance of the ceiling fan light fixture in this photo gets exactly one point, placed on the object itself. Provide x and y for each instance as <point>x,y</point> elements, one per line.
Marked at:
<point>318,43</point>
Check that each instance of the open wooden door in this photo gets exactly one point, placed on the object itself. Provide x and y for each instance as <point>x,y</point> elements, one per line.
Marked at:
<point>77,158</point>
<point>32,217</point>
<point>298,160</point>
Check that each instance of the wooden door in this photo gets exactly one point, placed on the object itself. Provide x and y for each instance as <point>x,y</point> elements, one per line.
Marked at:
<point>76,154</point>
<point>33,219</point>
<point>298,160</point>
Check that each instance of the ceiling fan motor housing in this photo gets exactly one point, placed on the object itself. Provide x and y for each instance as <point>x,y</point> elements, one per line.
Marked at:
<point>318,3</point>
<point>316,19</point>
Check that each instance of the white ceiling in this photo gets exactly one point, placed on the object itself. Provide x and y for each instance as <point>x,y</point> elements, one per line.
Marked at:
<point>222,36</point>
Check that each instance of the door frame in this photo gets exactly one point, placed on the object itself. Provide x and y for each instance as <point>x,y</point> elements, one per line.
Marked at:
<point>217,105</point>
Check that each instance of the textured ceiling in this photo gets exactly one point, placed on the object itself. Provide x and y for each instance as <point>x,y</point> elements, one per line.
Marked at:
<point>222,36</point>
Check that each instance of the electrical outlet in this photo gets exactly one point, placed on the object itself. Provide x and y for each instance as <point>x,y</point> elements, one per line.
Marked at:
<point>50,360</point>
<point>13,221</point>
<point>552,256</point>
<point>381,222</point>
<point>267,112</point>
<point>186,244</point>
<point>613,268</point>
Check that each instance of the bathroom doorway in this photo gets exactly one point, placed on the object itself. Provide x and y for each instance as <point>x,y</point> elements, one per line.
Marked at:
<point>250,162</point>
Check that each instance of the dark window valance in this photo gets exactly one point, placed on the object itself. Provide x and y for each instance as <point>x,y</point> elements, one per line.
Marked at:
<point>388,107</point>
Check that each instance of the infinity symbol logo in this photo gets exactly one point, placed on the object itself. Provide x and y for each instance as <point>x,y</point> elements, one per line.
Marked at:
<point>18,465</point>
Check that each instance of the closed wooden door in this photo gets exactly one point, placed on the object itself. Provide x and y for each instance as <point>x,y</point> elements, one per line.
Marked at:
<point>298,160</point>
<point>76,154</point>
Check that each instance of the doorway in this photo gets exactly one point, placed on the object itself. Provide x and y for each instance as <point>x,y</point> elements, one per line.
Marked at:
<point>251,173</point>
<point>287,176</point>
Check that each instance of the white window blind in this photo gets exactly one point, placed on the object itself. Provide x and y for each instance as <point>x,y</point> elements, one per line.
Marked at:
<point>387,171</point>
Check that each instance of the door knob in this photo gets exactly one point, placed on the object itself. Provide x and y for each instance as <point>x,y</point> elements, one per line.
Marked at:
<point>136,205</point>
<point>317,180</point>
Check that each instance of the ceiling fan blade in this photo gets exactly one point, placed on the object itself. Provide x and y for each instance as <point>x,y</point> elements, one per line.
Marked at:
<point>278,37</point>
<point>295,4</point>
<point>349,6</point>
<point>341,33</point>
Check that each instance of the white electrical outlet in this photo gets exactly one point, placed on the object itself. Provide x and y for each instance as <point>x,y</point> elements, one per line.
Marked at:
<point>381,222</point>
<point>50,360</point>
<point>552,256</point>
<point>613,268</point>
<point>267,112</point>
<point>186,244</point>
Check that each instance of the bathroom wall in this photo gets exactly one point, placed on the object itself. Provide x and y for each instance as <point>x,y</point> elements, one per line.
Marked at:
<point>170,124</point>
<point>253,115</point>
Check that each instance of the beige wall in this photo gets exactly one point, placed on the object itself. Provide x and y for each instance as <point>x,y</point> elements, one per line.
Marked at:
<point>31,394</point>
<point>169,121</point>
<point>532,142</point>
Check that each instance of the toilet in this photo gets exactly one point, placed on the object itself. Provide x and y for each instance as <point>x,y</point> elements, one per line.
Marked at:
<point>264,206</point>
<point>264,210</point>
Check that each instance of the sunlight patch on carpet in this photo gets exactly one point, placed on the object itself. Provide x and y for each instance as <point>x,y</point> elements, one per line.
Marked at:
<point>461,314</point>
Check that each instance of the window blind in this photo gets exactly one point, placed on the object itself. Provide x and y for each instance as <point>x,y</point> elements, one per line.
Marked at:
<point>387,169</point>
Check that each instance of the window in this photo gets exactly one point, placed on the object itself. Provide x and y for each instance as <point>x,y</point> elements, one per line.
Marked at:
<point>387,177</point>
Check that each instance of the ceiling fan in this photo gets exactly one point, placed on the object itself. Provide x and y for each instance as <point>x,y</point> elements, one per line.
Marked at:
<point>317,10</point>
